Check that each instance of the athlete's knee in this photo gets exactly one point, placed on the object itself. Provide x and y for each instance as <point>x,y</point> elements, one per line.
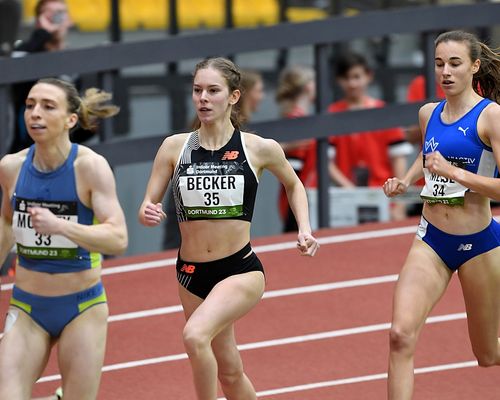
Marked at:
<point>230,375</point>
<point>195,340</point>
<point>401,339</point>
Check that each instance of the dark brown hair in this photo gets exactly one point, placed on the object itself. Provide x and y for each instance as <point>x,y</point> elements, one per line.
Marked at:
<point>348,61</point>
<point>90,107</point>
<point>41,3</point>
<point>232,75</point>
<point>486,81</point>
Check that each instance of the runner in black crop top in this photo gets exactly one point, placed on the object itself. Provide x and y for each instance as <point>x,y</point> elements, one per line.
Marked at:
<point>215,175</point>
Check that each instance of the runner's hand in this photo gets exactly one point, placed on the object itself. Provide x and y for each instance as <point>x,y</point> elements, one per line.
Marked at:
<point>307,244</point>
<point>394,187</point>
<point>153,214</point>
<point>437,164</point>
<point>44,221</point>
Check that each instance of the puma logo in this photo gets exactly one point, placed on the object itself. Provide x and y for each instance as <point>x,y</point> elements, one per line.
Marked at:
<point>463,130</point>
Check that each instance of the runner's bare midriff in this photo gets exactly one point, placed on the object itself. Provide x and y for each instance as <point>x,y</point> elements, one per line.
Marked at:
<point>212,240</point>
<point>471,217</point>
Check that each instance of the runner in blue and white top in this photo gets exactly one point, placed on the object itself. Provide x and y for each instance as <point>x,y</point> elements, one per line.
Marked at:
<point>459,159</point>
<point>215,172</point>
<point>60,209</point>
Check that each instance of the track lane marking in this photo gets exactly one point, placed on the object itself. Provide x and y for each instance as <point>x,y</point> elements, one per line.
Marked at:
<point>268,295</point>
<point>270,343</point>
<point>360,379</point>
<point>267,248</point>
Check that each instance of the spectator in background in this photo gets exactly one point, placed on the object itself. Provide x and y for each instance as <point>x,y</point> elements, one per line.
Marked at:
<point>252,87</point>
<point>365,158</point>
<point>10,19</point>
<point>295,95</point>
<point>52,22</point>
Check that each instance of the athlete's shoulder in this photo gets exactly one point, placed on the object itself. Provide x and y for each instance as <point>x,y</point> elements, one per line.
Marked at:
<point>90,164</point>
<point>490,117</point>
<point>262,148</point>
<point>256,142</point>
<point>87,156</point>
<point>10,164</point>
<point>172,146</point>
<point>426,110</point>
<point>177,139</point>
<point>492,109</point>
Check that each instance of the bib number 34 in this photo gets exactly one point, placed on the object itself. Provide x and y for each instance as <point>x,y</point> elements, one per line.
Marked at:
<point>438,190</point>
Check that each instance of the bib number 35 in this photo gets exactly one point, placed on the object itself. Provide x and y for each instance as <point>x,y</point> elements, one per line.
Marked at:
<point>211,198</point>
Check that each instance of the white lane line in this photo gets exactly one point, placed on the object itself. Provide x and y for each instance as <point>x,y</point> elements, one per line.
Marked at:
<point>271,343</point>
<point>145,313</point>
<point>359,379</point>
<point>349,237</point>
<point>267,295</point>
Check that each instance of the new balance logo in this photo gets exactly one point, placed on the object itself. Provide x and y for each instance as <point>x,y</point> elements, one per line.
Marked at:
<point>463,130</point>
<point>465,247</point>
<point>230,155</point>
<point>188,269</point>
<point>431,144</point>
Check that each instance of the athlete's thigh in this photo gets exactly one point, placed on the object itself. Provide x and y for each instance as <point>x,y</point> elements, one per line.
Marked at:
<point>480,280</point>
<point>81,353</point>
<point>23,340</point>
<point>422,281</point>
<point>189,301</point>
<point>228,301</point>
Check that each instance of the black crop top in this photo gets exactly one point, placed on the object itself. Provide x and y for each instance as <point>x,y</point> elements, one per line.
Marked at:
<point>214,184</point>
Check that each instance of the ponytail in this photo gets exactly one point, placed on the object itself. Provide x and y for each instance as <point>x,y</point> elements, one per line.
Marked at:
<point>93,107</point>
<point>486,81</point>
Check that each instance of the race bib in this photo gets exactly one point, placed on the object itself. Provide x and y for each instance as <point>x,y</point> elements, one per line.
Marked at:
<point>32,244</point>
<point>439,189</point>
<point>211,190</point>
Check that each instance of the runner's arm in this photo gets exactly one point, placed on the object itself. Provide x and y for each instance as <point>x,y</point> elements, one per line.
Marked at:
<point>273,158</point>
<point>109,236</point>
<point>151,212</point>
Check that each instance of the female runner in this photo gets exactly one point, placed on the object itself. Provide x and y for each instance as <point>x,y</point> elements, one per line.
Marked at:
<point>215,172</point>
<point>461,152</point>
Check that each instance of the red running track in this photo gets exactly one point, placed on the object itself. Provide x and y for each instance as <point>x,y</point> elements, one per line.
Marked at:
<point>319,333</point>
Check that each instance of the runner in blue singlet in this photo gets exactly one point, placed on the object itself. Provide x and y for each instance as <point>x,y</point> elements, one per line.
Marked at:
<point>459,160</point>
<point>60,210</point>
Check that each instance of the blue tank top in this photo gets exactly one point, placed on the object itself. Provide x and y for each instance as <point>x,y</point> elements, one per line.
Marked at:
<point>460,144</point>
<point>55,190</point>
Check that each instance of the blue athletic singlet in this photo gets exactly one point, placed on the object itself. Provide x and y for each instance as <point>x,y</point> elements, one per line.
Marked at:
<point>218,184</point>
<point>55,190</point>
<point>460,144</point>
